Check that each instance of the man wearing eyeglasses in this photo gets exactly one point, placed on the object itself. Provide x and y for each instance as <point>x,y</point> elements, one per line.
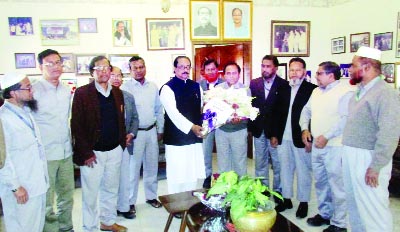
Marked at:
<point>52,117</point>
<point>98,135</point>
<point>181,98</point>
<point>24,178</point>
<point>326,111</point>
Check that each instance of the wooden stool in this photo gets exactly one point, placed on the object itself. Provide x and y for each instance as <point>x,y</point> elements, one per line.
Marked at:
<point>178,203</point>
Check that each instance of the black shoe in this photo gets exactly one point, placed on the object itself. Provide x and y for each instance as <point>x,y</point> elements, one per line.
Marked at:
<point>333,228</point>
<point>283,205</point>
<point>132,209</point>
<point>276,199</point>
<point>302,210</point>
<point>317,220</point>
<point>127,215</point>
<point>154,203</point>
<point>266,193</point>
<point>177,215</point>
<point>207,182</point>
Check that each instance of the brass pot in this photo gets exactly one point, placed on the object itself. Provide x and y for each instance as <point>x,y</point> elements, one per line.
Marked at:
<point>256,221</point>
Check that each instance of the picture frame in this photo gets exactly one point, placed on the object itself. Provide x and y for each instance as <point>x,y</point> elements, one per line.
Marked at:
<point>383,41</point>
<point>397,46</point>
<point>20,26</point>
<point>68,60</point>
<point>122,32</point>
<point>237,18</point>
<point>59,32</point>
<point>205,20</point>
<point>282,71</point>
<point>25,60</point>
<point>388,70</point>
<point>87,25</point>
<point>165,34</point>
<point>338,45</point>
<point>358,40</point>
<point>83,61</point>
<point>344,70</point>
<point>121,61</point>
<point>283,35</point>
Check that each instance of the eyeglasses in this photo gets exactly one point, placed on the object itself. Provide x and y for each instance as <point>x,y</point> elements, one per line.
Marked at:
<point>182,67</point>
<point>51,64</point>
<point>320,73</point>
<point>116,76</point>
<point>27,88</point>
<point>102,68</point>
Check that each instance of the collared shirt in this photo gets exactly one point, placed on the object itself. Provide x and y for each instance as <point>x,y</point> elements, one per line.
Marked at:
<point>362,90</point>
<point>147,102</point>
<point>100,89</point>
<point>287,134</point>
<point>52,117</point>
<point>268,84</point>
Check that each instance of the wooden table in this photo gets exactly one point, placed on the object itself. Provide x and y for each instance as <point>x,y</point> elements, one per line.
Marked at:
<point>178,203</point>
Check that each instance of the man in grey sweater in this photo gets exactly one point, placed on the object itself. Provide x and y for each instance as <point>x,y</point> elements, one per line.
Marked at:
<point>370,138</point>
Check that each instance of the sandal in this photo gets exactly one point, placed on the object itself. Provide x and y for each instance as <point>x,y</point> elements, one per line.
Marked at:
<point>154,203</point>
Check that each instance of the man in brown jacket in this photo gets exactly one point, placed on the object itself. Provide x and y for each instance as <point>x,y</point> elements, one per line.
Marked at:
<point>98,137</point>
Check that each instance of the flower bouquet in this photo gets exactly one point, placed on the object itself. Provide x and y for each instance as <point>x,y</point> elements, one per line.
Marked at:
<point>222,105</point>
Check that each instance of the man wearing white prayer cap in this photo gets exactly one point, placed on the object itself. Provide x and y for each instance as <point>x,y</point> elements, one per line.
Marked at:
<point>24,178</point>
<point>370,138</point>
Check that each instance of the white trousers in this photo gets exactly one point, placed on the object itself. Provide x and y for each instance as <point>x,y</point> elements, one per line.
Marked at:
<point>100,184</point>
<point>28,217</point>
<point>124,185</point>
<point>368,207</point>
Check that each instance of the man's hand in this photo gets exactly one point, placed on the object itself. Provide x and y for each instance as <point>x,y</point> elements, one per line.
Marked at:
<point>160,136</point>
<point>129,138</point>
<point>371,178</point>
<point>91,161</point>
<point>320,142</point>
<point>274,142</point>
<point>308,147</point>
<point>21,195</point>
<point>306,137</point>
<point>197,130</point>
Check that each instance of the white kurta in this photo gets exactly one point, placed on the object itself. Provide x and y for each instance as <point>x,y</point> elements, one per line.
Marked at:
<point>185,164</point>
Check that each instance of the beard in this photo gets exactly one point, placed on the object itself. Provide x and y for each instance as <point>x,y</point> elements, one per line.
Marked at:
<point>266,75</point>
<point>31,104</point>
<point>355,78</point>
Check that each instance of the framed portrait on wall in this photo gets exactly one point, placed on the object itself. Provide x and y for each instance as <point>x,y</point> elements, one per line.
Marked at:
<point>122,32</point>
<point>282,70</point>
<point>359,40</point>
<point>338,45</point>
<point>68,60</point>
<point>344,70</point>
<point>20,26</point>
<point>165,34</point>
<point>87,25</point>
<point>237,20</point>
<point>59,32</point>
<point>204,20</point>
<point>290,38</point>
<point>83,61</point>
<point>388,70</point>
<point>121,61</point>
<point>383,41</point>
<point>25,60</point>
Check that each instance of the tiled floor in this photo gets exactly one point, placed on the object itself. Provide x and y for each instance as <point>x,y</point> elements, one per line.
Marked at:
<point>149,219</point>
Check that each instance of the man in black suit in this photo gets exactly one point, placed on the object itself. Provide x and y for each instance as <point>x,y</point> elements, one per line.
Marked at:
<point>293,154</point>
<point>265,91</point>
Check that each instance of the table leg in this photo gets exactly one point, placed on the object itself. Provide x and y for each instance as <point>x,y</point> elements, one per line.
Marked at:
<point>183,222</point>
<point>168,222</point>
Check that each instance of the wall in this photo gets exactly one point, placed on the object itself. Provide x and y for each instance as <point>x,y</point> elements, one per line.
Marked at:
<point>326,23</point>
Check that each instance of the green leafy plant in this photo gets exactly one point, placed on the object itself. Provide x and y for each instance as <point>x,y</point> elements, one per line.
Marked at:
<point>243,194</point>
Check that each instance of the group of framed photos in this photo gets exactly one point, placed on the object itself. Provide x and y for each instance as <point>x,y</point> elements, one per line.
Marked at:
<point>382,41</point>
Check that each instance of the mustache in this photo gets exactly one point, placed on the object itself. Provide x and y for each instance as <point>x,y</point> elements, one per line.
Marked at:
<point>185,73</point>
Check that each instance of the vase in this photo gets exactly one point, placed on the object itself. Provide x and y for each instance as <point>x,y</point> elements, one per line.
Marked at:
<point>256,221</point>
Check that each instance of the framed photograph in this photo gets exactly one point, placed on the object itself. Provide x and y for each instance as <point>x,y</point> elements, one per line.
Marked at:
<point>388,72</point>
<point>338,45</point>
<point>237,20</point>
<point>87,25</point>
<point>290,38</point>
<point>20,26</point>
<point>68,60</point>
<point>122,32</point>
<point>59,32</point>
<point>204,20</point>
<point>359,40</point>
<point>82,63</point>
<point>383,41</point>
<point>121,61</point>
<point>282,70</point>
<point>70,83</point>
<point>165,34</point>
<point>397,45</point>
<point>25,60</point>
<point>344,69</point>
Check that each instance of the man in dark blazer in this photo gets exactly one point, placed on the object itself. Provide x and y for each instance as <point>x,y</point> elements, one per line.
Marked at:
<point>209,81</point>
<point>98,137</point>
<point>293,154</point>
<point>266,90</point>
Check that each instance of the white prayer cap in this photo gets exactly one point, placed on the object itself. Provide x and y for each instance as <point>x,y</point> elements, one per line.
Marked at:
<point>10,79</point>
<point>368,52</point>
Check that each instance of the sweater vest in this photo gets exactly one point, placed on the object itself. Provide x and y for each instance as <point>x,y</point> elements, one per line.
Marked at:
<point>324,111</point>
<point>188,102</point>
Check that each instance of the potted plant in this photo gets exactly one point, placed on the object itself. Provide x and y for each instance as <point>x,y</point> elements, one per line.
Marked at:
<point>250,208</point>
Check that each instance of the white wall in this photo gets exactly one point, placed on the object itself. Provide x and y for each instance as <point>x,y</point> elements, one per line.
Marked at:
<point>326,23</point>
